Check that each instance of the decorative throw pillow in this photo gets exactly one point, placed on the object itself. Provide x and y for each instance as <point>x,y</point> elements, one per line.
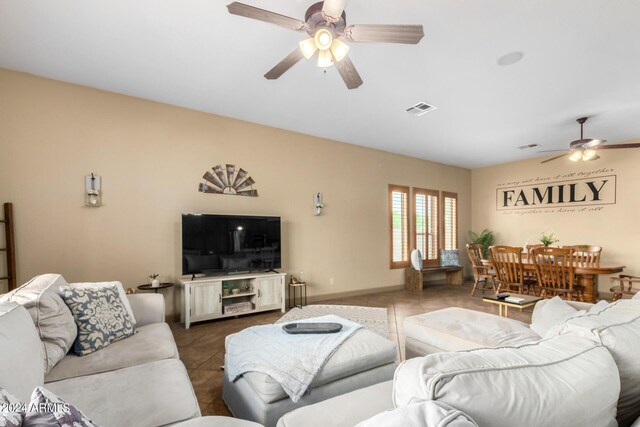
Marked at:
<point>41,297</point>
<point>11,410</point>
<point>100,315</point>
<point>449,258</point>
<point>121,292</point>
<point>47,409</point>
<point>416,259</point>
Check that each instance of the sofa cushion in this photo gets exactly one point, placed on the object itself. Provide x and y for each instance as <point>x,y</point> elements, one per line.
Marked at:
<point>344,410</point>
<point>58,413</point>
<point>422,413</point>
<point>100,315</point>
<point>455,329</point>
<point>617,327</point>
<point>21,354</point>
<point>11,410</point>
<point>562,381</point>
<point>552,314</point>
<point>152,394</point>
<point>150,343</point>
<point>121,292</point>
<point>362,351</point>
<point>216,422</point>
<point>53,320</point>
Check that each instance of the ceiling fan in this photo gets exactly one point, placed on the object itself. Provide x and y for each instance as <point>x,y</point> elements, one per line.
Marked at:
<point>325,23</point>
<point>584,149</point>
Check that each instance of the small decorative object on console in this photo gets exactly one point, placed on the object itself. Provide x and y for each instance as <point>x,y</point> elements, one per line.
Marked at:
<point>154,280</point>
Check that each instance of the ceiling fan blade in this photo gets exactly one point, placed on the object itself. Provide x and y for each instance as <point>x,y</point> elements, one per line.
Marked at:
<point>606,147</point>
<point>349,73</point>
<point>332,9</point>
<point>550,151</point>
<point>409,34</point>
<point>553,158</point>
<point>247,11</point>
<point>282,66</point>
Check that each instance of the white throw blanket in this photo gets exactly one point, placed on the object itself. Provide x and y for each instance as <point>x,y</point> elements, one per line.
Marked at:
<point>291,360</point>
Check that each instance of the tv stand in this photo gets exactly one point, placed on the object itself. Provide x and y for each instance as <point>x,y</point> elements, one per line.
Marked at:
<point>215,297</point>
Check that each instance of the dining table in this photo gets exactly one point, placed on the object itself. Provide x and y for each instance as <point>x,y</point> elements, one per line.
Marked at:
<point>586,275</point>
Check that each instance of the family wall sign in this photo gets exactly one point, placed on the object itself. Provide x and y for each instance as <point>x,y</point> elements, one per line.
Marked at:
<point>565,191</point>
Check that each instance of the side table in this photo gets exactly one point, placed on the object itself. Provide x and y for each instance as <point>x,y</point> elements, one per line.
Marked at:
<point>292,291</point>
<point>148,287</point>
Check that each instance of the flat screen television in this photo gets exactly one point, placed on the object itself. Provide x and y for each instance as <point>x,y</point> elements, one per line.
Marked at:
<point>215,244</point>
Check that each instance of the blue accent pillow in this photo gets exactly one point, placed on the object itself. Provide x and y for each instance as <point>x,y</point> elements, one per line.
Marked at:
<point>100,315</point>
<point>449,258</point>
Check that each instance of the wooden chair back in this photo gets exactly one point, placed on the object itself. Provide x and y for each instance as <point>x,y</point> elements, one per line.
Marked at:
<point>624,285</point>
<point>507,261</point>
<point>554,268</point>
<point>474,250</point>
<point>585,255</point>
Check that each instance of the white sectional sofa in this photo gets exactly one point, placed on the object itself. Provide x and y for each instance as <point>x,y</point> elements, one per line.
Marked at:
<point>584,371</point>
<point>139,381</point>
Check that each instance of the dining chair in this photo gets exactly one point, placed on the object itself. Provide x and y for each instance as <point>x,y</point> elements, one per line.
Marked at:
<point>555,271</point>
<point>507,261</point>
<point>585,256</point>
<point>623,285</point>
<point>481,273</point>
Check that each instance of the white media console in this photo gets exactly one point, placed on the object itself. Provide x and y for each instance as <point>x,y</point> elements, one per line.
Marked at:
<point>215,297</point>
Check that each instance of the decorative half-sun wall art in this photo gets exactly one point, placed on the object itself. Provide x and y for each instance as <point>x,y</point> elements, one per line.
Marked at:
<point>228,181</point>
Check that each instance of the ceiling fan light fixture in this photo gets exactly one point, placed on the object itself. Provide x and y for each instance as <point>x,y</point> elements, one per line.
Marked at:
<point>339,50</point>
<point>308,47</point>
<point>325,59</point>
<point>588,155</point>
<point>323,39</point>
<point>577,155</point>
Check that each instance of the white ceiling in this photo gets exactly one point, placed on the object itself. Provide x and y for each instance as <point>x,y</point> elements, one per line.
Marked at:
<point>582,57</point>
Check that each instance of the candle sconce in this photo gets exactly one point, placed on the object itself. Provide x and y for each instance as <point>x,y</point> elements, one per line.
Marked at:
<point>92,193</point>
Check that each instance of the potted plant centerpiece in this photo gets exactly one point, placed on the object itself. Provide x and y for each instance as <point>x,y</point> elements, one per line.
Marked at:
<point>548,239</point>
<point>154,280</point>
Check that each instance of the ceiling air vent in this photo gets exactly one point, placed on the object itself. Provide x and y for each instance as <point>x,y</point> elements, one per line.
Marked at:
<point>528,146</point>
<point>420,108</point>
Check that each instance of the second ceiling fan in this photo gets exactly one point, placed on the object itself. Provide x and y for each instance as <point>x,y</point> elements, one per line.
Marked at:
<point>584,149</point>
<point>326,24</point>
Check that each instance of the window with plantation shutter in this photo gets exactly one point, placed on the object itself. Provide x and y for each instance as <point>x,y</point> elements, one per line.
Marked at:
<point>426,224</point>
<point>450,219</point>
<point>399,225</point>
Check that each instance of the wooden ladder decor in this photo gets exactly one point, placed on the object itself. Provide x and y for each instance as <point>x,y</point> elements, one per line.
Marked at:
<point>10,248</point>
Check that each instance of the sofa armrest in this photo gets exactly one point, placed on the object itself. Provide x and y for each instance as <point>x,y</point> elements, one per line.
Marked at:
<point>147,308</point>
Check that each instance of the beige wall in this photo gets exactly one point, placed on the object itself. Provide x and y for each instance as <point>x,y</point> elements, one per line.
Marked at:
<point>614,227</point>
<point>151,158</point>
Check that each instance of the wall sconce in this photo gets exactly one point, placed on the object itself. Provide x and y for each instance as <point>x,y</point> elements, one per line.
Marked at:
<point>317,203</point>
<point>92,194</point>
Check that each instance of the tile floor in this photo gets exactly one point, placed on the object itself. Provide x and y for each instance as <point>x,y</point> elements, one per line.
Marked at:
<point>202,346</point>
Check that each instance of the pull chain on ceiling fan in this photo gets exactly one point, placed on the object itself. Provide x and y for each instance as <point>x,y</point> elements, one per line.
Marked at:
<point>585,149</point>
<point>325,24</point>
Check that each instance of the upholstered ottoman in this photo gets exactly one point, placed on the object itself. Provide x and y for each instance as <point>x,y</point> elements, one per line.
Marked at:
<point>456,329</point>
<point>364,359</point>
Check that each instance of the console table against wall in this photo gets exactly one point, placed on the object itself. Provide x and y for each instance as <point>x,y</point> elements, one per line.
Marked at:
<point>215,297</point>
<point>414,279</point>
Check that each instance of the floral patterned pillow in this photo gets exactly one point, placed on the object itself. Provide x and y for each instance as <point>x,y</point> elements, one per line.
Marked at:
<point>47,409</point>
<point>449,258</point>
<point>100,315</point>
<point>11,410</point>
